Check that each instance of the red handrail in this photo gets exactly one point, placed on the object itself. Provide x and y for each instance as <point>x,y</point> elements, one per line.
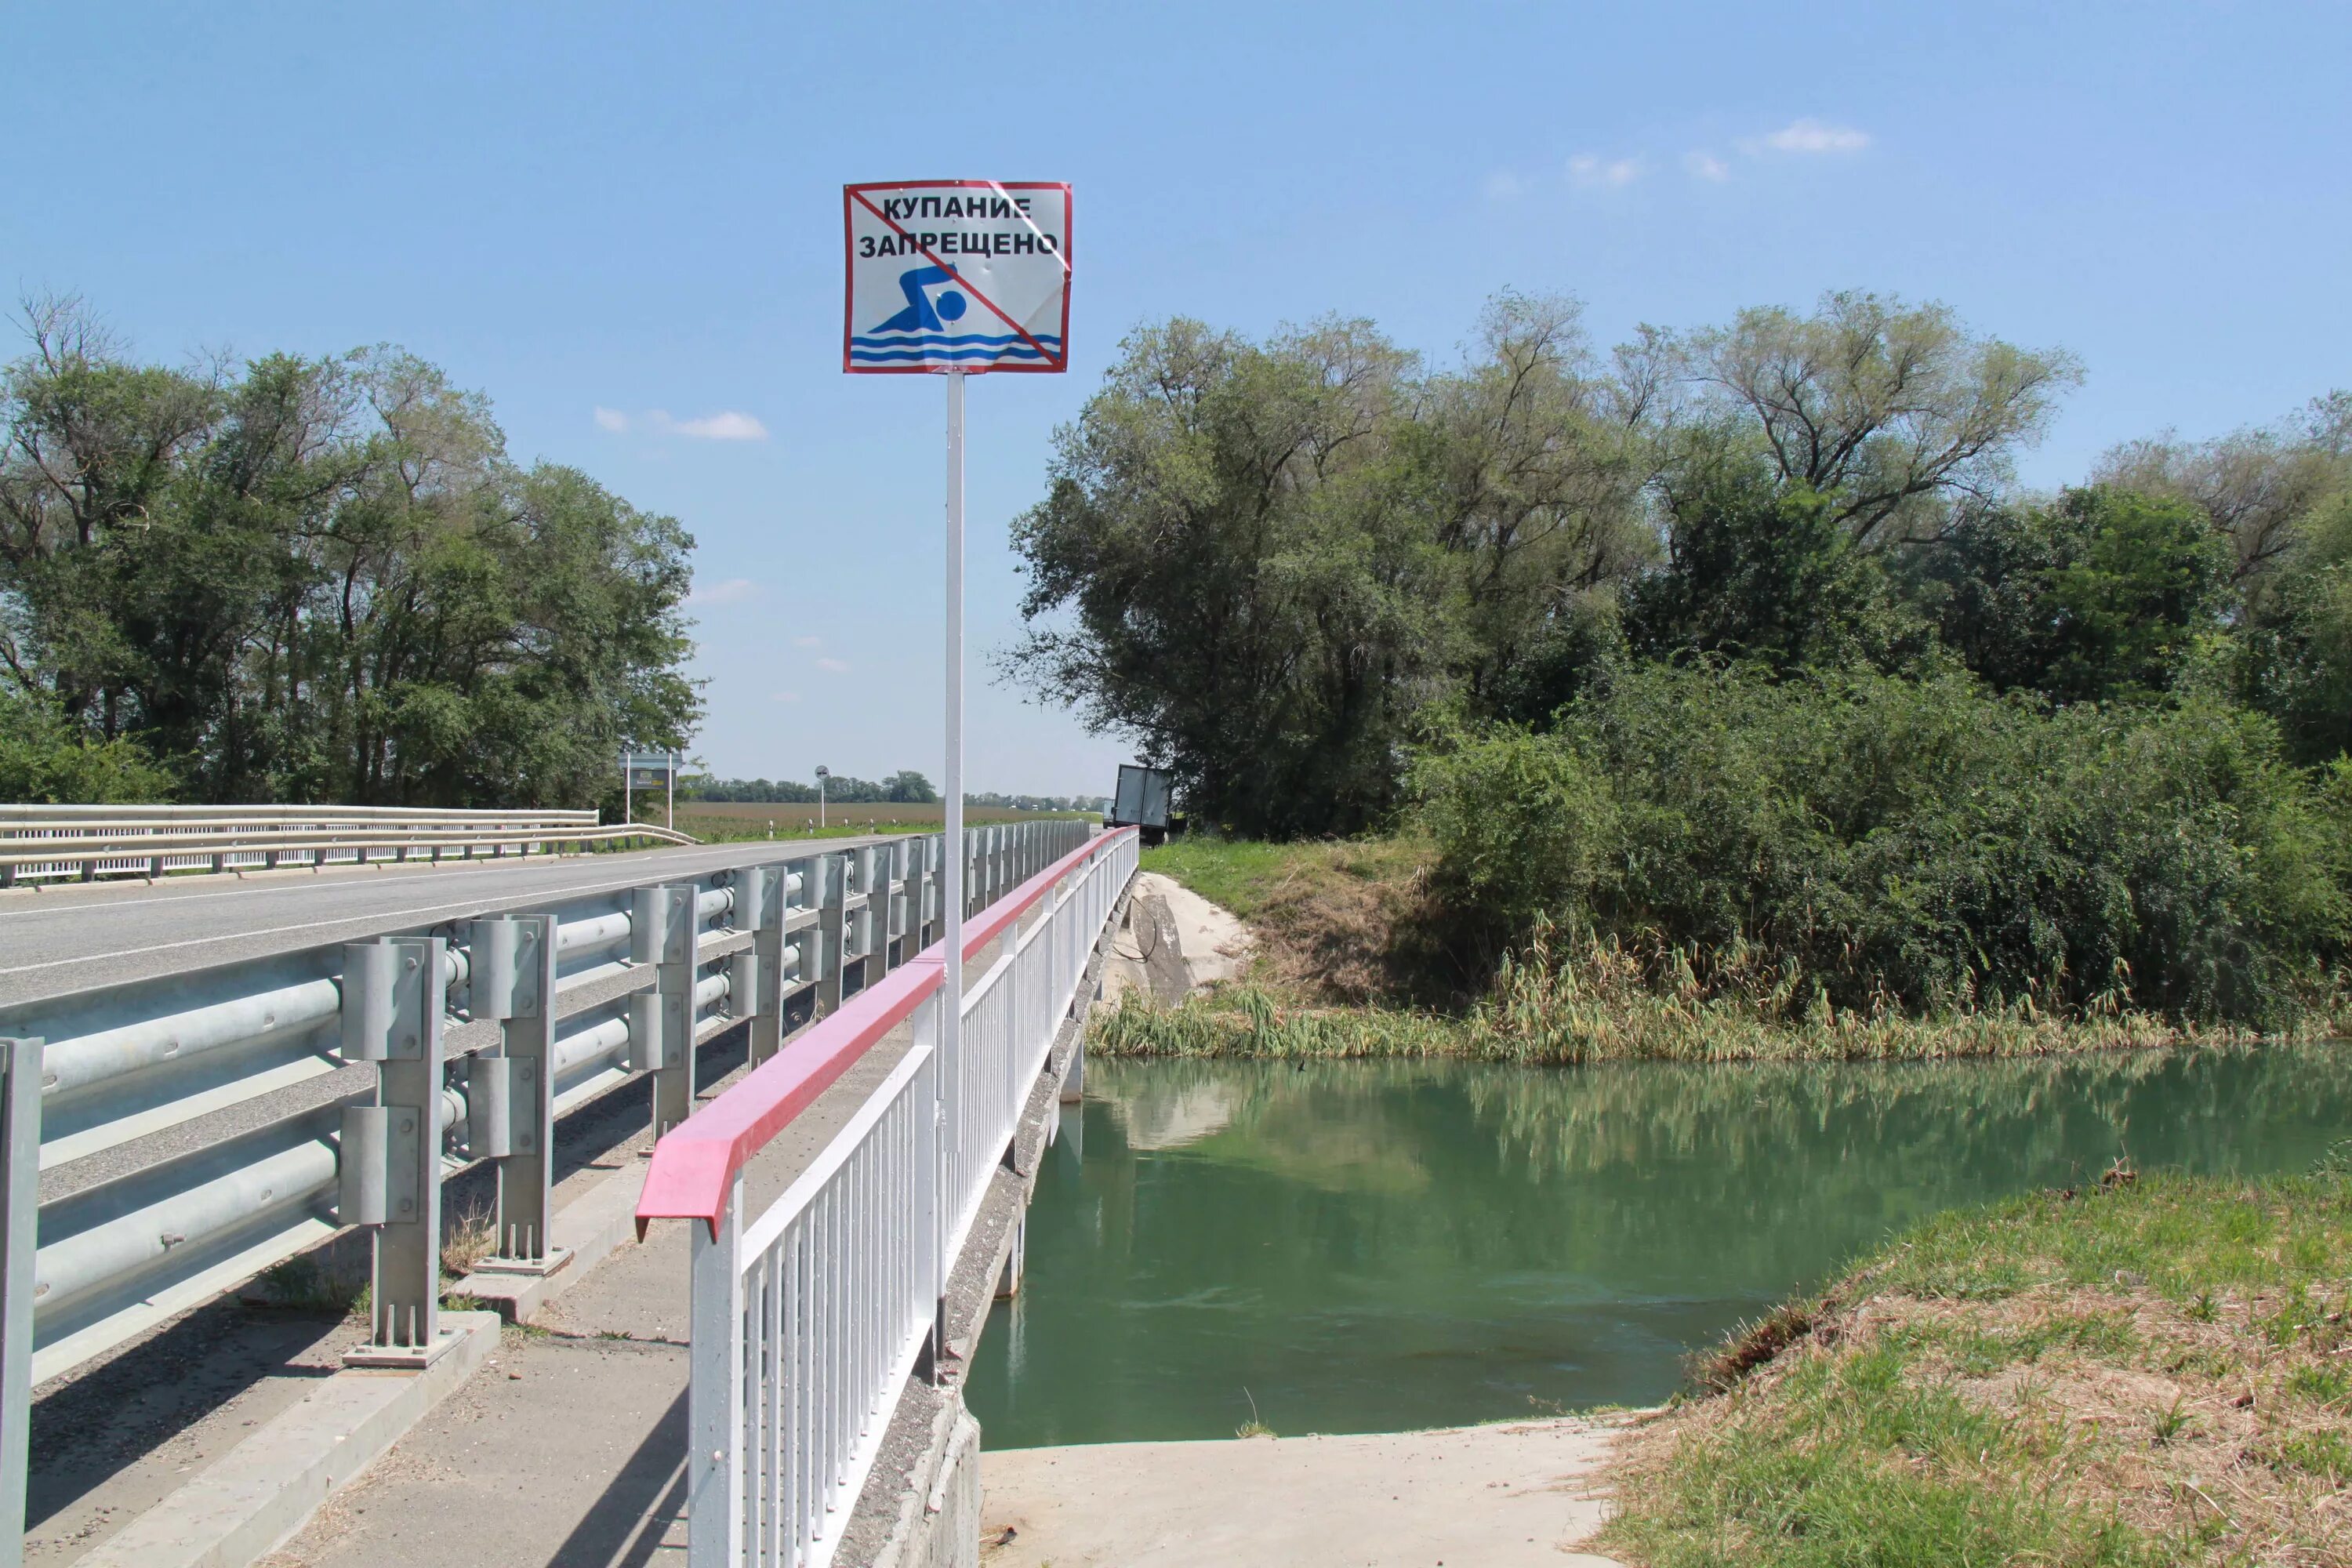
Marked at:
<point>695,1163</point>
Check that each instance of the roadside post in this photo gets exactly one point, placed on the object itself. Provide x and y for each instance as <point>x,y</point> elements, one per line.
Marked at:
<point>955,278</point>
<point>20,1182</point>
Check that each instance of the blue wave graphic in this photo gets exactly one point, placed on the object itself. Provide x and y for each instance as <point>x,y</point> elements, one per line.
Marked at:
<point>887,356</point>
<point>952,340</point>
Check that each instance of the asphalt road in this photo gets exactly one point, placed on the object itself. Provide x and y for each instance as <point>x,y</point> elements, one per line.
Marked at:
<point>60,939</point>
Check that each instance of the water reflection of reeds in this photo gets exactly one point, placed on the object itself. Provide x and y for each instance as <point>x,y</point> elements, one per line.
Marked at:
<point>2189,1106</point>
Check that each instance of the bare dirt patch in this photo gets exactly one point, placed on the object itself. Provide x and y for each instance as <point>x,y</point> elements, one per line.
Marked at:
<point>1342,924</point>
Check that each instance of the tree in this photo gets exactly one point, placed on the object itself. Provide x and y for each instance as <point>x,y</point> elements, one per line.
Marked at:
<point>2294,657</point>
<point>1530,462</point>
<point>2255,485</point>
<point>311,580</point>
<point>908,787</point>
<point>1759,568</point>
<point>2102,595</point>
<point>1274,565</point>
<point>1881,407</point>
<point>1227,568</point>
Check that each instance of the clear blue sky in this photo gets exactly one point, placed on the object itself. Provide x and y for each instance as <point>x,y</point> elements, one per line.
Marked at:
<point>636,208</point>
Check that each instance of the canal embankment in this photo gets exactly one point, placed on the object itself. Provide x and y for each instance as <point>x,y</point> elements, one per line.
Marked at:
<point>1353,951</point>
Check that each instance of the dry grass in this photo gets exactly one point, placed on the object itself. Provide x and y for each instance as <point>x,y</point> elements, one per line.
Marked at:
<point>468,1237</point>
<point>2152,1372</point>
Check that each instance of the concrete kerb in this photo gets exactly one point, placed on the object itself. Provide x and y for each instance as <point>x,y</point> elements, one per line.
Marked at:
<point>263,1491</point>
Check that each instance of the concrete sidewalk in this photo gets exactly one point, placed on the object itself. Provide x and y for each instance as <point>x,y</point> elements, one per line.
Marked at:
<point>571,1448</point>
<point>1512,1496</point>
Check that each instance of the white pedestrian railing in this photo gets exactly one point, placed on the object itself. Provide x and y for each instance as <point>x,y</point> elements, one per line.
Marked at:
<point>809,1317</point>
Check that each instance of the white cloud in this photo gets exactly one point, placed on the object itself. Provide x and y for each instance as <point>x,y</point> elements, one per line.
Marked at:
<point>727,591</point>
<point>808,642</point>
<point>1809,136</point>
<point>833,666</point>
<point>1502,185</point>
<point>1706,167</point>
<point>1586,169</point>
<point>785,697</point>
<point>727,426</point>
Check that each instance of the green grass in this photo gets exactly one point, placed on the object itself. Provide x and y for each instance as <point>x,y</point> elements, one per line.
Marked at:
<point>2151,1373</point>
<point>1237,874</point>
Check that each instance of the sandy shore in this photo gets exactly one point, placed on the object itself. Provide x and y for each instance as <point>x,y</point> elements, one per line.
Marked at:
<point>1473,1497</point>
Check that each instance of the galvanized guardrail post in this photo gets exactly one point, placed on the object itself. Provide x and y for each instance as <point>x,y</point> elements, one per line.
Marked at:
<point>755,985</point>
<point>971,868</point>
<point>663,928</point>
<point>510,1097</point>
<point>20,1182</point>
<point>389,1167</point>
<point>786,958</point>
<point>869,925</point>
<point>895,860</point>
<point>922,860</point>
<point>832,926</point>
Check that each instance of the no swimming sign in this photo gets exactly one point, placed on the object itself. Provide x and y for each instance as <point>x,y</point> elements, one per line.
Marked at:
<point>969,275</point>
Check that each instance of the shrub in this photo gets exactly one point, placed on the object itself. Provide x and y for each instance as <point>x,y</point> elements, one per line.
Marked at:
<point>1916,842</point>
<point>47,760</point>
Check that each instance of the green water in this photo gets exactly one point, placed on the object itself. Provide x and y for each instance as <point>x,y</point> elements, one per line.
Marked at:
<point>1370,1247</point>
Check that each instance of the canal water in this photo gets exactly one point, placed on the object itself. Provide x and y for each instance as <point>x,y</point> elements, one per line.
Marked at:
<point>1359,1247</point>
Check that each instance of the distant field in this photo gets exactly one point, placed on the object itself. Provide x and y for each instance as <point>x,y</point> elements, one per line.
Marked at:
<point>708,818</point>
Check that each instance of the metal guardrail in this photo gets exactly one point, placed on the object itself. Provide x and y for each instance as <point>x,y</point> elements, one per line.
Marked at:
<point>476,1034</point>
<point>57,842</point>
<point>808,1318</point>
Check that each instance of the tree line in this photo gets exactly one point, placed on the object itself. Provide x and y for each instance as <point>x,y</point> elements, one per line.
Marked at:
<point>1743,640</point>
<point>307,579</point>
<point>905,788</point>
<point>1278,566</point>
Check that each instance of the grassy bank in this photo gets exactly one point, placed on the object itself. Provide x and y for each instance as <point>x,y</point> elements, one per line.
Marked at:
<point>1353,960</point>
<point>2155,1370</point>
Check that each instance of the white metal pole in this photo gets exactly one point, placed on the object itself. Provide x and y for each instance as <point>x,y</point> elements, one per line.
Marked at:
<point>670,803</point>
<point>629,796</point>
<point>951,1008</point>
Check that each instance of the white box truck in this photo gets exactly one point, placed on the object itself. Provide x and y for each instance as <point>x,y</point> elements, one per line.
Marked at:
<point>1141,801</point>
